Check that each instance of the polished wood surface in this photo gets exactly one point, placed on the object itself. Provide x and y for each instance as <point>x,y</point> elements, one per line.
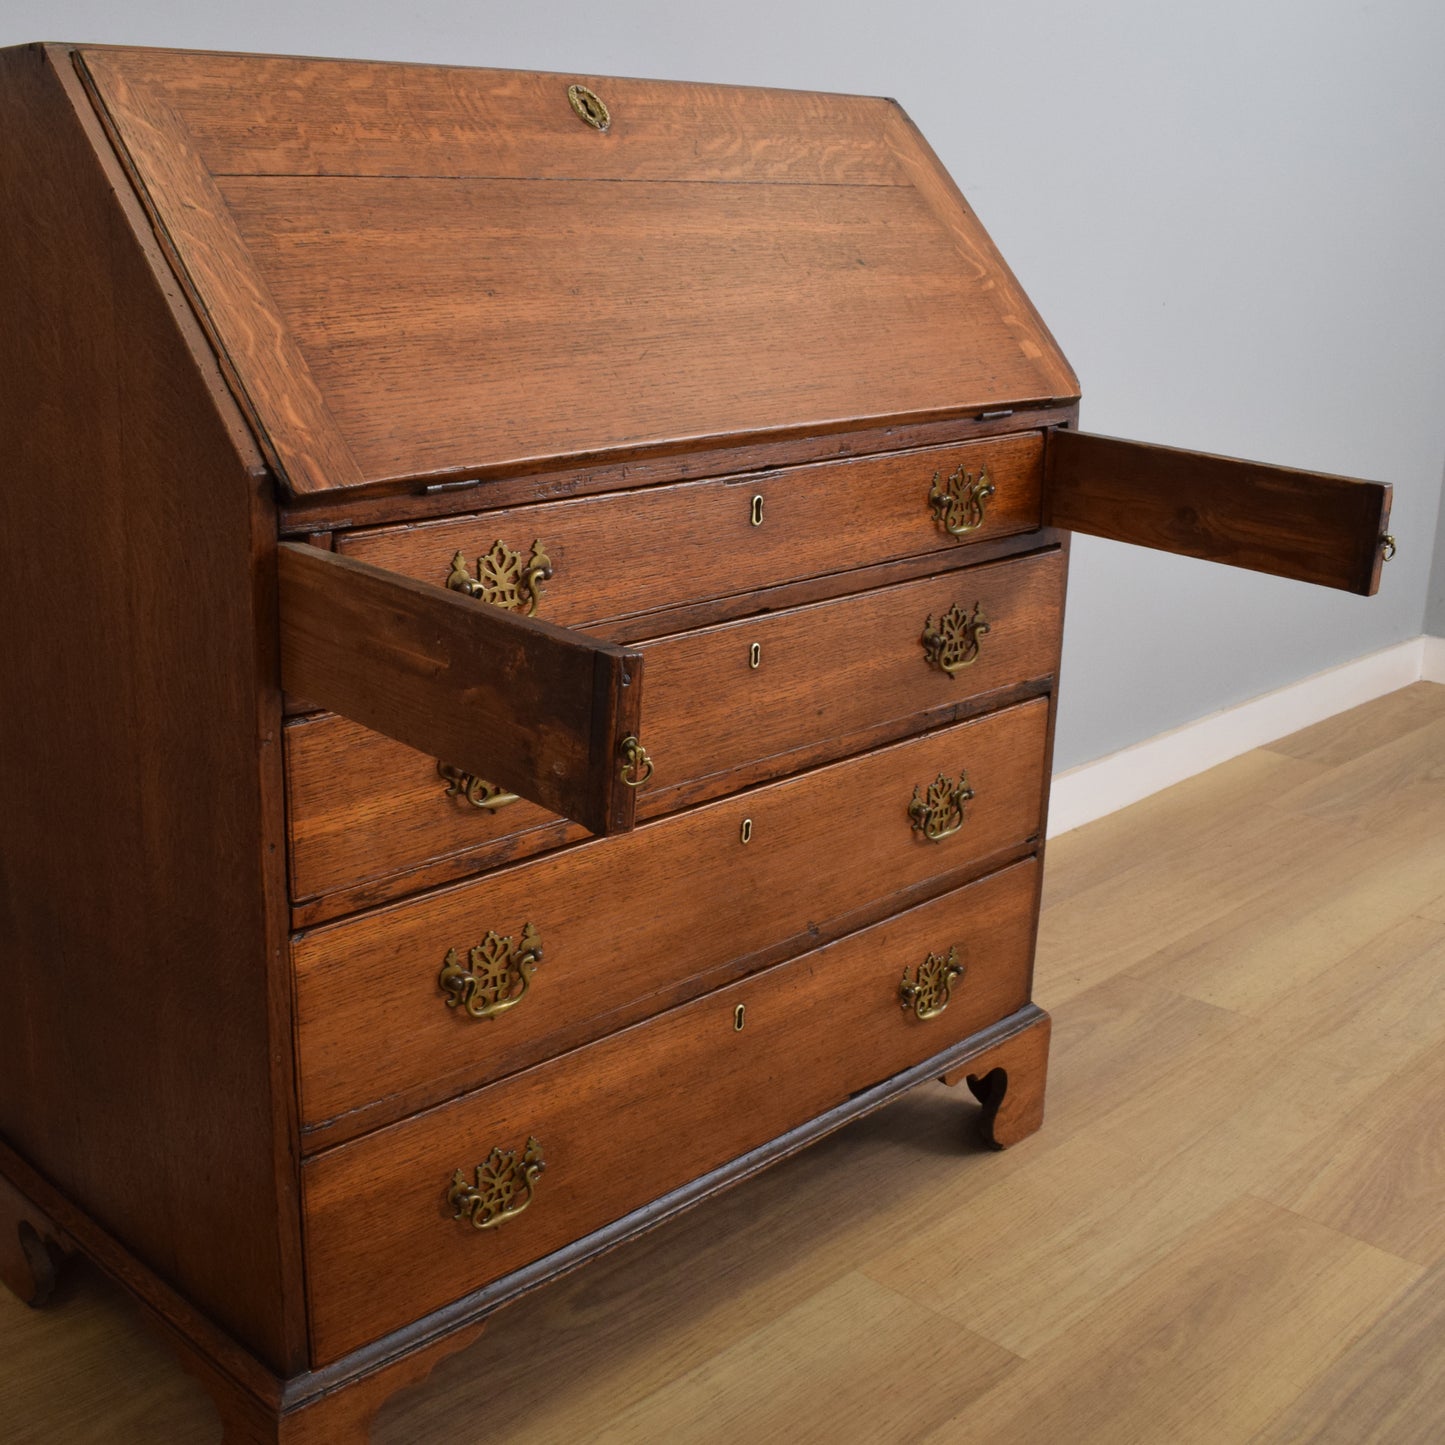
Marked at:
<point>538,709</point>
<point>361,808</point>
<point>698,541</point>
<point>720,263</point>
<point>723,284</point>
<point>618,942</point>
<point>145,1038</point>
<point>363,821</point>
<point>1305,525</point>
<point>644,1111</point>
<point>462,496</point>
<point>825,675</point>
<point>795,1306</point>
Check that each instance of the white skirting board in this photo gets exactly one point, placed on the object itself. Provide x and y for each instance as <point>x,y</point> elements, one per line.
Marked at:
<point>1094,789</point>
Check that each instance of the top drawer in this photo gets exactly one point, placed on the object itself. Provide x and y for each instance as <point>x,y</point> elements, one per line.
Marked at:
<point>622,553</point>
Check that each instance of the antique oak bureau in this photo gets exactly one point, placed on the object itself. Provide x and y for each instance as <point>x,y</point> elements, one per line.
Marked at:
<point>533,613</point>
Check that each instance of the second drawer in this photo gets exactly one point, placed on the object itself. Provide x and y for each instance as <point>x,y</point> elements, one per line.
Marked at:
<point>724,706</point>
<point>597,936</point>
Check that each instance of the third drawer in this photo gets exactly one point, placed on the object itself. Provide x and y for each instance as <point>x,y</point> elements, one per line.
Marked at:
<point>596,936</point>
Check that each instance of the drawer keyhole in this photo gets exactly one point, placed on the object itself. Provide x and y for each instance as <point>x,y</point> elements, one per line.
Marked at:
<point>739,1017</point>
<point>746,831</point>
<point>757,515</point>
<point>755,655</point>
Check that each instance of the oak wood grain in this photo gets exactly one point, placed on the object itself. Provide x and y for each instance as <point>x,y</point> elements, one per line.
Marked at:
<point>658,547</point>
<point>230,296</point>
<point>753,246</point>
<point>373,1024</point>
<point>625,1119</point>
<point>140,759</point>
<point>534,707</point>
<point>488,487</point>
<point>363,807</point>
<point>671,1329</point>
<point>1305,525</point>
<point>839,668</point>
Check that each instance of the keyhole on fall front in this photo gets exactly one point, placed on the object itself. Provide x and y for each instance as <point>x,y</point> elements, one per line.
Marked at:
<point>739,1017</point>
<point>755,656</point>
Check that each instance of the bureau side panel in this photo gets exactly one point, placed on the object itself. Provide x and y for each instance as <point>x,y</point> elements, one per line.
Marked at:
<point>144,1057</point>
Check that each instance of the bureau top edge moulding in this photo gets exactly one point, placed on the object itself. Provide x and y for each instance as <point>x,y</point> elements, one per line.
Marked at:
<point>461,521</point>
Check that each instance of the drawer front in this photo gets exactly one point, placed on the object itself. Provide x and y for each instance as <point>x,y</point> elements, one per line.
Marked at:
<point>362,808</point>
<point>625,1120</point>
<point>621,921</point>
<point>745,694</point>
<point>724,697</point>
<point>613,555</point>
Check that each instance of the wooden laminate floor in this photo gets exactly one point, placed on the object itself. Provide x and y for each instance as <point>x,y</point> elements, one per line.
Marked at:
<point>1231,1228</point>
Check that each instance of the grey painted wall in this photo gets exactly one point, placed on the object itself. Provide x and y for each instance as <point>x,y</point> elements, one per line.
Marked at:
<point>1232,216</point>
<point>1435,602</point>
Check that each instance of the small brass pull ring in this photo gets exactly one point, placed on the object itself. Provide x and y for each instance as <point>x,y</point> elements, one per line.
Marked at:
<point>636,766</point>
<point>1387,546</point>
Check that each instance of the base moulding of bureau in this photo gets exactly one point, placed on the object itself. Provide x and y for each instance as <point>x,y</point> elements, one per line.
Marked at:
<point>1004,1066</point>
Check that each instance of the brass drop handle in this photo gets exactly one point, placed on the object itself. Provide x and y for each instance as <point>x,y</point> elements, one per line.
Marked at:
<point>952,643</point>
<point>496,976</point>
<point>504,578</point>
<point>929,987</point>
<point>502,1187</point>
<point>1388,547</point>
<point>476,791</point>
<point>938,813</point>
<point>960,502</point>
<point>636,766</point>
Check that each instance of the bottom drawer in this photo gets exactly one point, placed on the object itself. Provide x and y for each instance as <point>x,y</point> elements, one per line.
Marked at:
<point>627,1119</point>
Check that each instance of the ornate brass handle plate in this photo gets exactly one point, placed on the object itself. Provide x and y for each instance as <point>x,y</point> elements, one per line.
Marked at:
<point>501,1188</point>
<point>504,578</point>
<point>636,766</point>
<point>938,813</point>
<point>959,503</point>
<point>929,988</point>
<point>953,642</point>
<point>476,791</point>
<point>496,975</point>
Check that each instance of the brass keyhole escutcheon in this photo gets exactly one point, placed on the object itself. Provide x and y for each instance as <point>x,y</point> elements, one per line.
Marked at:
<point>739,1017</point>
<point>757,512</point>
<point>755,656</point>
<point>589,106</point>
<point>746,831</point>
